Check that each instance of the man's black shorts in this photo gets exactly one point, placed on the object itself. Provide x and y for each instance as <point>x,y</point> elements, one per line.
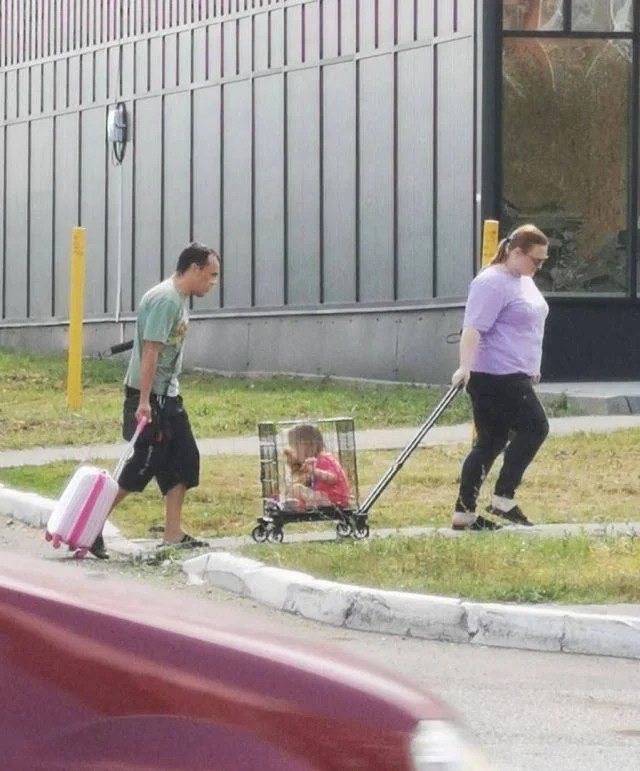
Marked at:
<point>166,450</point>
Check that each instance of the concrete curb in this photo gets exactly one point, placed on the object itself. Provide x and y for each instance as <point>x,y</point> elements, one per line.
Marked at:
<point>428,617</point>
<point>388,612</point>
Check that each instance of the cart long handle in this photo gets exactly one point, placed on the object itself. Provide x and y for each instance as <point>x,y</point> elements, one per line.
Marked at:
<point>121,347</point>
<point>400,460</point>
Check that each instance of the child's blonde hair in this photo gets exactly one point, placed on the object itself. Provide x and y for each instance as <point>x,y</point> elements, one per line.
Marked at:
<point>308,434</point>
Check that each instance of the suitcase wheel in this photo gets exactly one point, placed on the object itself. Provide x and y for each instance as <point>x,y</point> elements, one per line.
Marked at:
<point>47,536</point>
<point>81,554</point>
<point>56,541</point>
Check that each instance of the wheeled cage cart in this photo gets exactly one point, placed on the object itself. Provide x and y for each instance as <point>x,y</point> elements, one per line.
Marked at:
<point>279,507</point>
<point>352,520</point>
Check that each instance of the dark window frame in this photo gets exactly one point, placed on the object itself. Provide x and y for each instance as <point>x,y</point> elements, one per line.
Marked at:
<point>493,123</point>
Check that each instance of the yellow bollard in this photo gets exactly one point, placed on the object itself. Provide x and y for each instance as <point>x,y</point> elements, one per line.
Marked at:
<point>76,313</point>
<point>489,241</point>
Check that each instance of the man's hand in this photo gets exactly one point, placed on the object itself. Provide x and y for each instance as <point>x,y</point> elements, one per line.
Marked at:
<point>143,411</point>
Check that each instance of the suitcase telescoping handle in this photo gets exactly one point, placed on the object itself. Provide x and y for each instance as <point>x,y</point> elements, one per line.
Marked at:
<point>128,450</point>
<point>400,460</point>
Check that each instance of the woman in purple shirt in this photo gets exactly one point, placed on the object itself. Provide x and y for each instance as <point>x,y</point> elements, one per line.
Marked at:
<point>500,354</point>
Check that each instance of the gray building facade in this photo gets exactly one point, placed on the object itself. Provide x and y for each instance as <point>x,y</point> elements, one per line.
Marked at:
<point>329,149</point>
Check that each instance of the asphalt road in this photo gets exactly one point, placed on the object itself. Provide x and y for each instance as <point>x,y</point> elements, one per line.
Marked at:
<point>530,711</point>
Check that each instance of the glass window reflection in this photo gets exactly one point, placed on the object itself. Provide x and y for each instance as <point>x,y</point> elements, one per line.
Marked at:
<point>565,139</point>
<point>532,14</point>
<point>602,15</point>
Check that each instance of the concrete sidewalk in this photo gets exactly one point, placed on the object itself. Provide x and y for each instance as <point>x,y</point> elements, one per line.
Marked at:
<point>612,630</point>
<point>375,439</point>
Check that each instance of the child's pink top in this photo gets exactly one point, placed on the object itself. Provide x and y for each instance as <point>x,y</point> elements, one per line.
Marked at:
<point>338,492</point>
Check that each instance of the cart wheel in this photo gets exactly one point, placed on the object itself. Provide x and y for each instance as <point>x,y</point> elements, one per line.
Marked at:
<point>259,534</point>
<point>48,536</point>
<point>56,541</point>
<point>275,535</point>
<point>361,532</point>
<point>344,529</point>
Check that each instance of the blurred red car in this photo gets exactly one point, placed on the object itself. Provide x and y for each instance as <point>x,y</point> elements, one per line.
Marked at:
<point>101,674</point>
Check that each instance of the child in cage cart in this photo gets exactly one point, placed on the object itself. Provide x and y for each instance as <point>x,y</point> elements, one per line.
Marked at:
<point>316,477</point>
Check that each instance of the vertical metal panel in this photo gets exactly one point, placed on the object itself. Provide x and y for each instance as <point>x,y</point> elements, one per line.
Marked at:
<point>454,166</point>
<point>142,67</point>
<point>113,76</point>
<point>12,95</point>
<point>330,29</point>
<point>415,175</point>
<point>277,37</point>
<point>237,194</point>
<point>244,46</point>
<point>184,58</point>
<point>269,190</point>
<point>93,22</point>
<point>215,51</point>
<point>73,81</point>
<point>303,178</point>
<point>425,17</point>
<point>139,18</point>
<point>93,187</point>
<point>48,86</point>
<point>35,108</point>
<point>311,32</point>
<point>87,78</point>
<point>61,79</point>
<point>261,42</point>
<point>293,26</point>
<point>104,23</point>
<point>206,175</point>
<point>177,176</point>
<point>229,46</point>
<point>71,21</point>
<point>126,12</point>
<point>100,75</point>
<point>445,17</point>
<point>348,27</point>
<point>34,29</point>
<point>127,65</point>
<point>65,193</point>
<point>170,61</point>
<point>339,145</point>
<point>466,16</point>
<point>16,220</point>
<point>41,218</point>
<point>23,92</point>
<point>4,23</point>
<point>156,67</point>
<point>387,23</point>
<point>200,55</point>
<point>148,194</point>
<point>376,178</point>
<point>3,94</point>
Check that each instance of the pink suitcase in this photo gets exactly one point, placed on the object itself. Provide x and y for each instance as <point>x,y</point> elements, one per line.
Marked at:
<point>85,503</point>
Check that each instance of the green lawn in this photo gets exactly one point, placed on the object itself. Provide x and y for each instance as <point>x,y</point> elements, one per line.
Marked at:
<point>575,479</point>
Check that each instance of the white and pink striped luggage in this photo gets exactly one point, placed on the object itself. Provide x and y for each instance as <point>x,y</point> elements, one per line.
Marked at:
<point>85,503</point>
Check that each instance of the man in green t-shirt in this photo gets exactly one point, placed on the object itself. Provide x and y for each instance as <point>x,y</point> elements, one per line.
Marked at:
<point>166,449</point>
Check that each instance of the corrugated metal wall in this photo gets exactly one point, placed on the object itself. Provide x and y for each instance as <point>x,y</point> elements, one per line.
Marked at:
<point>327,148</point>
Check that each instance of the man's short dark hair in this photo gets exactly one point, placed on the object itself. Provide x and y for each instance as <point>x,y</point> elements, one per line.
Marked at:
<point>194,253</point>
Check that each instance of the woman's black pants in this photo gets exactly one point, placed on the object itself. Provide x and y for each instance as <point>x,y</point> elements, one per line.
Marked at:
<point>507,414</point>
